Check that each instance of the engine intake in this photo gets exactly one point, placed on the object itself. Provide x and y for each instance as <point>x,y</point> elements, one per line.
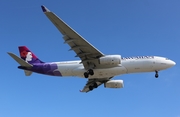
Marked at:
<point>114,84</point>
<point>110,60</point>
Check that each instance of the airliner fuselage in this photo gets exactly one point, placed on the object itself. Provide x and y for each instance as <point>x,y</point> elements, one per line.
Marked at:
<point>128,65</point>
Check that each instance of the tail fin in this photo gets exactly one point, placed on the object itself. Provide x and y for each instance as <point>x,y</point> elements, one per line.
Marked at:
<point>28,56</point>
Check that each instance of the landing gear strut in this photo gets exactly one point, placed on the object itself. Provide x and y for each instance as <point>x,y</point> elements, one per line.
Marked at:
<point>89,72</point>
<point>156,74</point>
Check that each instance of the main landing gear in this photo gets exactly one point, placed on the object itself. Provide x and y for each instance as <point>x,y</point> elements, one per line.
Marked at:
<point>156,74</point>
<point>91,87</point>
<point>89,72</point>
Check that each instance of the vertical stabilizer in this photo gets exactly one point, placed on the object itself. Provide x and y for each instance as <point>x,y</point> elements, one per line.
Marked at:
<point>28,56</point>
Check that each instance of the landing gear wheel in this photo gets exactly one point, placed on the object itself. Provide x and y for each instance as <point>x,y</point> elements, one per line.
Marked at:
<point>156,75</point>
<point>91,88</point>
<point>91,72</point>
<point>86,75</point>
<point>95,85</point>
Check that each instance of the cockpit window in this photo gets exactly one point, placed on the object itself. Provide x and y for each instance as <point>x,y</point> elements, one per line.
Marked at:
<point>167,59</point>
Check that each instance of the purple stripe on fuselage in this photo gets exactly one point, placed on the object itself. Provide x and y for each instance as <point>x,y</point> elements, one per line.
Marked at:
<point>46,68</point>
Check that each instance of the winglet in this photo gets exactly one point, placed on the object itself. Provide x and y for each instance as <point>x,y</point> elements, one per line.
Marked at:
<point>44,9</point>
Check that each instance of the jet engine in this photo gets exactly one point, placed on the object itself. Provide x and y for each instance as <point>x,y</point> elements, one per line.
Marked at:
<point>110,60</point>
<point>114,84</point>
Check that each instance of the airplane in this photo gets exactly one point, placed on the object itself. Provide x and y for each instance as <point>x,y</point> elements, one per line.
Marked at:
<point>96,67</point>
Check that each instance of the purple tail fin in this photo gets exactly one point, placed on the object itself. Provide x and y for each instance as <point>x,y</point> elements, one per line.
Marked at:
<point>28,56</point>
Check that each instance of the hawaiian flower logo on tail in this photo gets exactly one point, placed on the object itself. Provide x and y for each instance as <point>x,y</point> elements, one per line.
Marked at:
<point>28,56</point>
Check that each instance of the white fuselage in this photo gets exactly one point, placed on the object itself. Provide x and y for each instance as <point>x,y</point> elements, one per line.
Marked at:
<point>128,65</point>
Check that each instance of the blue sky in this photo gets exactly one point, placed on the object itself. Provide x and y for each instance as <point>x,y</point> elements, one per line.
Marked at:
<point>129,28</point>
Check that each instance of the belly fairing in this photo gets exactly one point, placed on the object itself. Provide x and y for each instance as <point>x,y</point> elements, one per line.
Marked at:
<point>101,73</point>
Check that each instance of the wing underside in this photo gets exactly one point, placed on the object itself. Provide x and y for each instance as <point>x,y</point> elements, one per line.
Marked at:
<point>83,49</point>
<point>94,83</point>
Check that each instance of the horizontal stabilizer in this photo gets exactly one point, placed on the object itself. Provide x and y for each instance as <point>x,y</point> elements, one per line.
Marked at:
<point>27,73</point>
<point>19,60</point>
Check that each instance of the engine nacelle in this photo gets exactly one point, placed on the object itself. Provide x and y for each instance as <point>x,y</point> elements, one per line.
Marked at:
<point>110,60</point>
<point>114,84</point>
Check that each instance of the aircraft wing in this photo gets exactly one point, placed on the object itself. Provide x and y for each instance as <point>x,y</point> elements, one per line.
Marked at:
<point>83,49</point>
<point>90,82</point>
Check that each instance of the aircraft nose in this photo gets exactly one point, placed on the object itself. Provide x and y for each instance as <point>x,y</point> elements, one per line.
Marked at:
<point>171,63</point>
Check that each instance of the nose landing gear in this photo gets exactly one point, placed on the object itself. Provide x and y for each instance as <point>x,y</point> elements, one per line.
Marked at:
<point>156,74</point>
<point>89,72</point>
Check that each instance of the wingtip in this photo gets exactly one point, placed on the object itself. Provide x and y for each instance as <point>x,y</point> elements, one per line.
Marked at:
<point>44,9</point>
